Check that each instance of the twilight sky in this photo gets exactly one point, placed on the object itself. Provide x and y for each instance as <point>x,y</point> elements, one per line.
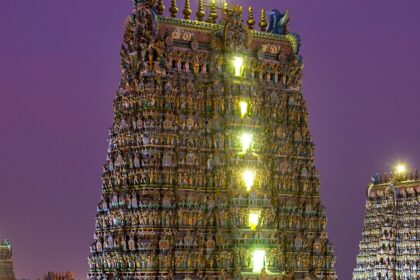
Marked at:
<point>59,69</point>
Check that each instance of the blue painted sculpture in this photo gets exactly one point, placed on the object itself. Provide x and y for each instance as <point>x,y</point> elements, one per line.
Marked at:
<point>278,22</point>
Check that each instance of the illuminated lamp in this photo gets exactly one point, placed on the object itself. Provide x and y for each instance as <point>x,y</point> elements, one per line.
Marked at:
<point>254,217</point>
<point>248,176</point>
<point>246,141</point>
<point>238,63</point>
<point>244,108</point>
<point>258,261</point>
<point>400,169</point>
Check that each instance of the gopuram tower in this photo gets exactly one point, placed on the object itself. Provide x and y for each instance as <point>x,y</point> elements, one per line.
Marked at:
<point>6,263</point>
<point>389,248</point>
<point>210,169</point>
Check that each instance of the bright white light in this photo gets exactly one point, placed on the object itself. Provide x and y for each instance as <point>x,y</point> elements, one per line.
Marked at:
<point>254,217</point>
<point>401,168</point>
<point>238,62</point>
<point>244,108</point>
<point>248,177</point>
<point>258,261</point>
<point>246,141</point>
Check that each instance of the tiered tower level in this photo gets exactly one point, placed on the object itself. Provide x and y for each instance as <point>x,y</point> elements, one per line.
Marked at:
<point>210,171</point>
<point>6,263</point>
<point>390,244</point>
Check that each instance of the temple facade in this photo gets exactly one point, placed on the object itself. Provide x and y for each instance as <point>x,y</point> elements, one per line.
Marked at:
<point>210,168</point>
<point>6,263</point>
<point>389,248</point>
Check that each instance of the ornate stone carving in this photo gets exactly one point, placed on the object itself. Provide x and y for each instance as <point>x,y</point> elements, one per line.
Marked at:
<point>236,35</point>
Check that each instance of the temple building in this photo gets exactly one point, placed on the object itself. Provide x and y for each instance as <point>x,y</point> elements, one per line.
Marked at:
<point>210,168</point>
<point>6,263</point>
<point>390,244</point>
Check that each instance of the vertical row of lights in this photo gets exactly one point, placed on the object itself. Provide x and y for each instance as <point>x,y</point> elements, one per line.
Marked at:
<point>246,138</point>
<point>248,175</point>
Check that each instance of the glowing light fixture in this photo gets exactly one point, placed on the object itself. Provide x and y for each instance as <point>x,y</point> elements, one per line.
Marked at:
<point>238,63</point>
<point>400,168</point>
<point>246,141</point>
<point>254,217</point>
<point>248,176</point>
<point>258,260</point>
<point>244,108</point>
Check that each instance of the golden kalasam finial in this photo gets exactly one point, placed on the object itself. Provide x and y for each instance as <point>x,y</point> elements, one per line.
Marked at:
<point>173,9</point>
<point>263,21</point>
<point>236,9</point>
<point>160,7</point>
<point>187,9</point>
<point>200,12</point>
<point>213,12</point>
<point>251,20</point>
<point>226,8</point>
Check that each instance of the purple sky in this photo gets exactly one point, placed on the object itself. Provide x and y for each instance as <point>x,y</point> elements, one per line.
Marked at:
<point>59,69</point>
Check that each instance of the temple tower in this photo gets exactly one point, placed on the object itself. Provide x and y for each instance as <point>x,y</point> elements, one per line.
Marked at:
<point>389,245</point>
<point>210,169</point>
<point>6,263</point>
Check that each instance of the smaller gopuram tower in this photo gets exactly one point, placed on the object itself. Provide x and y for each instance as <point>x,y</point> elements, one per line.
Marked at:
<point>6,264</point>
<point>388,249</point>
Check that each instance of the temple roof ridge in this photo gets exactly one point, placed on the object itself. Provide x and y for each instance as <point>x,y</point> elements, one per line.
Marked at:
<point>273,24</point>
<point>396,177</point>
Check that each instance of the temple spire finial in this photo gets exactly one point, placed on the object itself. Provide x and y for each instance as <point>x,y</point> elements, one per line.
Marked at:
<point>187,9</point>
<point>213,12</point>
<point>160,7</point>
<point>251,20</point>
<point>173,9</point>
<point>263,22</point>
<point>225,8</point>
<point>200,12</point>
